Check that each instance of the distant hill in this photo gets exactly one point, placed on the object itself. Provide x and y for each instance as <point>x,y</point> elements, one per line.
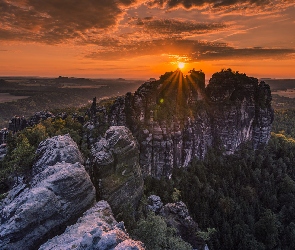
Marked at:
<point>279,84</point>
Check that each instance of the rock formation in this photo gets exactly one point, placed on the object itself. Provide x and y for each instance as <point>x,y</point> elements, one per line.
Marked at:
<point>3,135</point>
<point>177,216</point>
<point>58,194</point>
<point>97,229</point>
<point>2,151</point>
<point>56,149</point>
<point>115,168</point>
<point>177,118</point>
<point>17,123</point>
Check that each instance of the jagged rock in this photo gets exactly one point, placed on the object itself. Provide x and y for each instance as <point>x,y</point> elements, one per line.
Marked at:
<point>97,229</point>
<point>241,110</point>
<point>116,172</point>
<point>17,124</point>
<point>177,119</point>
<point>56,197</point>
<point>3,135</point>
<point>59,148</point>
<point>2,151</point>
<point>177,216</point>
<point>40,116</point>
<point>59,192</point>
<point>154,203</point>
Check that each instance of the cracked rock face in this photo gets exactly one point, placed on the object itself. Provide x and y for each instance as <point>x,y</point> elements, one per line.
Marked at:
<point>115,168</point>
<point>177,118</point>
<point>59,148</point>
<point>56,197</point>
<point>96,229</point>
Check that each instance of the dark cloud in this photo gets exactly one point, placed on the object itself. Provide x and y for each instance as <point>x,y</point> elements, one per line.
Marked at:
<point>53,21</point>
<point>177,27</point>
<point>214,4</point>
<point>190,49</point>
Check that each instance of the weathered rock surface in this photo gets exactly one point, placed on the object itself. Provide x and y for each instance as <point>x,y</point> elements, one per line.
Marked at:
<point>56,197</point>
<point>115,168</point>
<point>155,203</point>
<point>96,229</point>
<point>2,151</point>
<point>177,216</point>
<point>3,135</point>
<point>177,118</point>
<point>59,148</point>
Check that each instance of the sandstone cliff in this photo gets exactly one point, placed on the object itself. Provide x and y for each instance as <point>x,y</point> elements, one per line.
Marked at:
<point>177,118</point>
<point>57,195</point>
<point>115,169</point>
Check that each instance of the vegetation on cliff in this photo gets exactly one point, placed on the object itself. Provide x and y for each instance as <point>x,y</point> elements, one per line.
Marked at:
<point>249,197</point>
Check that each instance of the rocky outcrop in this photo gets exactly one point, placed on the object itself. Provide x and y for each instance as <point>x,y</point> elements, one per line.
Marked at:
<point>155,203</point>
<point>177,216</point>
<point>115,168</point>
<point>3,135</point>
<point>2,151</point>
<point>240,109</point>
<point>17,124</point>
<point>59,148</point>
<point>177,118</point>
<point>57,196</point>
<point>96,229</point>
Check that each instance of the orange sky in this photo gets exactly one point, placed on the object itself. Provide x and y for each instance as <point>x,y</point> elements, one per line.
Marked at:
<point>143,39</point>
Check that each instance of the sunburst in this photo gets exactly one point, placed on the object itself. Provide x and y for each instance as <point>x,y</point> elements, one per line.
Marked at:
<point>181,65</point>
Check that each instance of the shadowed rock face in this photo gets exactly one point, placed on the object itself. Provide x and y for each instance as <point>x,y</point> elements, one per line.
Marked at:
<point>96,229</point>
<point>177,118</point>
<point>57,196</point>
<point>177,216</point>
<point>115,168</point>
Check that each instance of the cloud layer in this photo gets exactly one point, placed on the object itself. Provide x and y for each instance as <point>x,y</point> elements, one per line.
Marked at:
<point>118,35</point>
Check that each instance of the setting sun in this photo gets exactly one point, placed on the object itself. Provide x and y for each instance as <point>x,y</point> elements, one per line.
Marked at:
<point>181,65</point>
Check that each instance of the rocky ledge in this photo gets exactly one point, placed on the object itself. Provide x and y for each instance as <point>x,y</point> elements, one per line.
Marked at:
<point>96,229</point>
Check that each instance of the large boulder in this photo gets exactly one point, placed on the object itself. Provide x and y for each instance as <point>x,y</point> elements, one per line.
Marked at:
<point>115,169</point>
<point>55,198</point>
<point>97,229</point>
<point>56,149</point>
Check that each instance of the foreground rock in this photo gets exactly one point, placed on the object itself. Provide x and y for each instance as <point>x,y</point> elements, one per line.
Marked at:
<point>97,229</point>
<point>55,198</point>
<point>116,171</point>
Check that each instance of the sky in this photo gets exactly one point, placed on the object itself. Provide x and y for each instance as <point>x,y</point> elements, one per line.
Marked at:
<point>141,39</point>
